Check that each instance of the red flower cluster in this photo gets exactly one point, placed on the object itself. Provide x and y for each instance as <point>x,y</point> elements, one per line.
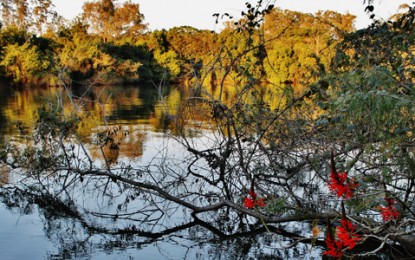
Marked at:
<point>340,184</point>
<point>346,234</point>
<point>334,247</point>
<point>389,212</point>
<point>252,201</point>
<point>346,238</point>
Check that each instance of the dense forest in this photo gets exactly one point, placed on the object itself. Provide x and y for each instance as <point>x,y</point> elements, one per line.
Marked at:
<point>109,43</point>
<point>288,118</point>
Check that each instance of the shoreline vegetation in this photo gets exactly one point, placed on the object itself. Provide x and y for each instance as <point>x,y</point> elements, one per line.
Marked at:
<point>103,45</point>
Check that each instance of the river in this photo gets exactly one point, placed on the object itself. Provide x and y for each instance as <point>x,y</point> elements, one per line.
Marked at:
<point>36,226</point>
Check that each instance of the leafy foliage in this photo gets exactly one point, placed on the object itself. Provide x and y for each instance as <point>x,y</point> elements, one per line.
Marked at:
<point>90,47</point>
<point>27,64</point>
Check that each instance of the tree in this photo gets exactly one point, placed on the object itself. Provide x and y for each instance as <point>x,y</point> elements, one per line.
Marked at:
<point>27,15</point>
<point>193,47</point>
<point>30,63</point>
<point>113,21</point>
<point>305,43</point>
<point>21,14</point>
<point>42,12</point>
<point>370,113</point>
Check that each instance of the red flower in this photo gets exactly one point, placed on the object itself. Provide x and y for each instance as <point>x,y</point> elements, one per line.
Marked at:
<point>252,201</point>
<point>390,212</point>
<point>336,183</point>
<point>341,186</point>
<point>346,234</point>
<point>339,183</point>
<point>249,203</point>
<point>260,202</point>
<point>252,194</point>
<point>334,247</point>
<point>346,237</point>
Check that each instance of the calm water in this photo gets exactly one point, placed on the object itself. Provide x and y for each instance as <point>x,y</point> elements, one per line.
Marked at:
<point>30,229</point>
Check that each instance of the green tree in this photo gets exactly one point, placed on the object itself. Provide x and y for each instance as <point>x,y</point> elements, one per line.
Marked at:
<point>27,64</point>
<point>305,43</point>
<point>372,88</point>
<point>88,57</point>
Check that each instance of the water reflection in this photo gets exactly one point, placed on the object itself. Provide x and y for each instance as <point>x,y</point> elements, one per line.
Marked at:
<point>127,140</point>
<point>4,175</point>
<point>141,208</point>
<point>103,105</point>
<point>72,236</point>
<point>136,110</point>
<point>101,219</point>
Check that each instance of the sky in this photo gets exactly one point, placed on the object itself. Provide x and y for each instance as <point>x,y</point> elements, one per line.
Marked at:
<point>165,14</point>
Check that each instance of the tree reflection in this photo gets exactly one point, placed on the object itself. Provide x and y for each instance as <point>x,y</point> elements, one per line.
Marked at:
<point>77,234</point>
<point>121,217</point>
<point>4,175</point>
